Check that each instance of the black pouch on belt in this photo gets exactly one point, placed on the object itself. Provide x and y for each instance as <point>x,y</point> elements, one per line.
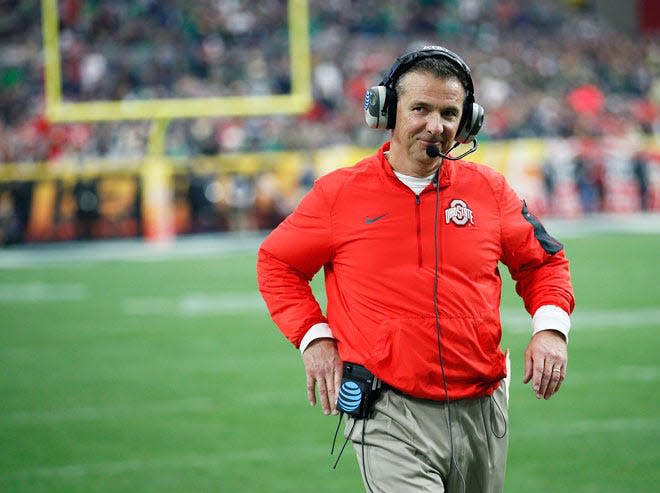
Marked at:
<point>358,391</point>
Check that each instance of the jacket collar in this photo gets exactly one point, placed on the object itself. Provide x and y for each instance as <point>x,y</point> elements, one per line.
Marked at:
<point>446,168</point>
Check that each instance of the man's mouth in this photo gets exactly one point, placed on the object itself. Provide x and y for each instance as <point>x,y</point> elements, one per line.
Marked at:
<point>429,143</point>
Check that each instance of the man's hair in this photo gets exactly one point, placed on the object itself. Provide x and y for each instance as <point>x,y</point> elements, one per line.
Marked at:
<point>439,67</point>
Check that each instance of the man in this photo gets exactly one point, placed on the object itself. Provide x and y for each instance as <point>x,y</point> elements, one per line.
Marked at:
<point>410,239</point>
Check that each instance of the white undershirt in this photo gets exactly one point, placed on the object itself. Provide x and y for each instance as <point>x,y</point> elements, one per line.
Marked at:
<point>414,183</point>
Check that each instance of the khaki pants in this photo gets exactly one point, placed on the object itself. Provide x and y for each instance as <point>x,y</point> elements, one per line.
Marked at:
<point>407,446</point>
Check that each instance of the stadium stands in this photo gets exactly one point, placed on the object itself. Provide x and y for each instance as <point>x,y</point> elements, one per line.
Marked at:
<point>542,69</point>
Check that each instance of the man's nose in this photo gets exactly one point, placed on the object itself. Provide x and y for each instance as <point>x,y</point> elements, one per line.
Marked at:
<point>434,123</point>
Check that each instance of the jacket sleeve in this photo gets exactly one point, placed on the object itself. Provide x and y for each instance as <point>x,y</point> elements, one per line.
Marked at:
<point>287,261</point>
<point>535,259</point>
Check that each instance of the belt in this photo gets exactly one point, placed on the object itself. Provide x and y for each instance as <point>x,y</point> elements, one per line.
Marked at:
<point>387,386</point>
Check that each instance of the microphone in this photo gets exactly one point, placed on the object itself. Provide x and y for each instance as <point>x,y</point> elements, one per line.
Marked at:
<point>433,151</point>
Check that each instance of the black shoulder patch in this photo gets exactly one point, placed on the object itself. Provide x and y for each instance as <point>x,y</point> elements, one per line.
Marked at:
<point>548,243</point>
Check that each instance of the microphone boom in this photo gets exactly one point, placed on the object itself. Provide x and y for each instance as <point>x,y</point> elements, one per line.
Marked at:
<point>433,152</point>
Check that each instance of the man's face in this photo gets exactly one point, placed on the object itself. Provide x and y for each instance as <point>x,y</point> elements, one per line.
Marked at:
<point>428,113</point>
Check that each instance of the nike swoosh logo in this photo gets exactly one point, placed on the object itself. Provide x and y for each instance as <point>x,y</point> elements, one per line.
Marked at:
<point>370,220</point>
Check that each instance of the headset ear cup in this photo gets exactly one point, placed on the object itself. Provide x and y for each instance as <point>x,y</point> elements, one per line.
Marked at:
<point>375,109</point>
<point>471,122</point>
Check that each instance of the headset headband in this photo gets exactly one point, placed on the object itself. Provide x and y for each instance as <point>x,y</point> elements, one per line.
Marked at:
<point>380,101</point>
<point>404,62</point>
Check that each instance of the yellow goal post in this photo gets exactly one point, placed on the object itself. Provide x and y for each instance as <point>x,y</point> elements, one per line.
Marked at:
<point>156,169</point>
<point>297,101</point>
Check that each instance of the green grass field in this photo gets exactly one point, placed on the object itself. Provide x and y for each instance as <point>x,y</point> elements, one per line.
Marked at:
<point>163,373</point>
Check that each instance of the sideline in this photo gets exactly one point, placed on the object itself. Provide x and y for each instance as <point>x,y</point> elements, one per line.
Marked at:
<point>133,249</point>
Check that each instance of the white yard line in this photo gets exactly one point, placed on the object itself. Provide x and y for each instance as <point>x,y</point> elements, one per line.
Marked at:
<point>214,462</point>
<point>514,320</point>
<point>40,291</point>
<point>221,461</point>
<point>94,413</point>
<point>517,320</point>
<point>644,425</point>
<point>194,304</point>
<point>637,374</point>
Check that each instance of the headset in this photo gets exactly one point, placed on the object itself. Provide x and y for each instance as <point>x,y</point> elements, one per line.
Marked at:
<point>380,101</point>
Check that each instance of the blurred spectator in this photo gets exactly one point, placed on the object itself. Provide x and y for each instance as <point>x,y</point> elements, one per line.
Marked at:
<point>87,212</point>
<point>549,174</point>
<point>640,171</point>
<point>269,203</point>
<point>17,211</point>
<point>241,201</point>
<point>589,175</point>
<point>528,59</point>
<point>207,200</point>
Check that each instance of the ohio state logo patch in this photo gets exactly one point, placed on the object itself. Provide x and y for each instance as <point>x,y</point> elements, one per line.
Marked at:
<point>459,213</point>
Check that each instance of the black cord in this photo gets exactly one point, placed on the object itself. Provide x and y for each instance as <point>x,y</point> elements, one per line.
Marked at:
<point>453,463</point>
<point>493,421</point>
<point>350,433</point>
<point>334,440</point>
<point>364,464</point>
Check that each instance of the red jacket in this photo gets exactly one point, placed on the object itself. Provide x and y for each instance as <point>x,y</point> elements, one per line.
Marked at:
<point>375,240</point>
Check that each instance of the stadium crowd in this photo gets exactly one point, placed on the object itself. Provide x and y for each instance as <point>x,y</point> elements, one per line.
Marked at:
<point>541,69</point>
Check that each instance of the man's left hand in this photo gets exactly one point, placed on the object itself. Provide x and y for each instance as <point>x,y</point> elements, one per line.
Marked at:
<point>546,358</point>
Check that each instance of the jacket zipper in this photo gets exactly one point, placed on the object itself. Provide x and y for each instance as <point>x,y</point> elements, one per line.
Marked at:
<point>419,229</point>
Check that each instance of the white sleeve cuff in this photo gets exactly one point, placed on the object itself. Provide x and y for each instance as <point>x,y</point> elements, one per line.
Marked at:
<point>316,331</point>
<point>551,317</point>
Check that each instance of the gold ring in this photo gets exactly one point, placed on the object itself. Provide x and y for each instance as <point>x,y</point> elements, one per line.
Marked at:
<point>556,370</point>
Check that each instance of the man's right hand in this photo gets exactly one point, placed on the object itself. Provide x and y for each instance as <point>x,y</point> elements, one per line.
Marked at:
<point>323,367</point>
